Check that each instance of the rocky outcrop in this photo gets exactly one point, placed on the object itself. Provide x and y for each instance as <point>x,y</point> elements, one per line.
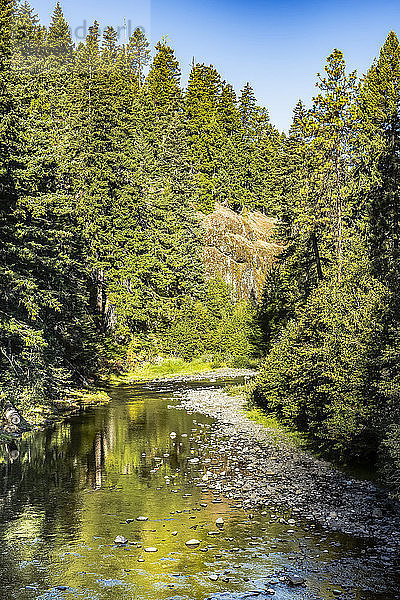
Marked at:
<point>239,249</point>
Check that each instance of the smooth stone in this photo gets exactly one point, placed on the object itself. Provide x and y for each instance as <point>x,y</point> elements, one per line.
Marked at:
<point>140,559</point>
<point>193,543</point>
<point>151,549</point>
<point>120,539</point>
<point>142,518</point>
<point>213,577</point>
<point>219,521</point>
<point>174,533</point>
<point>295,580</point>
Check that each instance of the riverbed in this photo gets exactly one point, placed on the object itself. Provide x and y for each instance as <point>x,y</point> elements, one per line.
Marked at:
<point>153,474</point>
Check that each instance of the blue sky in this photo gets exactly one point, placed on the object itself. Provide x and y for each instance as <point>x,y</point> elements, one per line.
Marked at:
<point>277,46</point>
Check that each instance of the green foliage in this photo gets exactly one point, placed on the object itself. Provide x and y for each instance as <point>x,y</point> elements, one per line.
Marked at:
<point>329,314</point>
<point>138,54</point>
<point>231,144</point>
<point>321,374</point>
<point>214,325</point>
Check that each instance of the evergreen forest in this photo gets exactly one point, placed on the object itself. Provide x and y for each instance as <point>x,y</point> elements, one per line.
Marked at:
<point>106,163</point>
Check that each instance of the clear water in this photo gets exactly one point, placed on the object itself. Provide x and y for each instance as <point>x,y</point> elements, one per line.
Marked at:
<point>67,492</point>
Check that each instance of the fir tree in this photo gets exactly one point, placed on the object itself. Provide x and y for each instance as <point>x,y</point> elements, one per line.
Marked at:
<point>163,80</point>
<point>379,111</point>
<point>138,54</point>
<point>59,46</point>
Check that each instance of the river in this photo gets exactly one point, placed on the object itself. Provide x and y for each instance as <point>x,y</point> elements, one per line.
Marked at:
<point>70,490</point>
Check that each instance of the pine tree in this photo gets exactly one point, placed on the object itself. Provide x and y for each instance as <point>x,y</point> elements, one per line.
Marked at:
<point>28,39</point>
<point>258,145</point>
<point>163,81</point>
<point>334,133</point>
<point>204,122</point>
<point>138,54</point>
<point>379,113</point>
<point>111,53</point>
<point>44,329</point>
<point>59,45</point>
<point>248,109</point>
<point>156,258</point>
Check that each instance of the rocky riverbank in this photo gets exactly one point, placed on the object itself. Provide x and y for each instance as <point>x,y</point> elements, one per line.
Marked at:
<point>266,471</point>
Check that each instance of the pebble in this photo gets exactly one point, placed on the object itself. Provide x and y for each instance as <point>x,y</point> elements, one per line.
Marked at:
<point>193,543</point>
<point>120,539</point>
<point>151,549</point>
<point>295,580</point>
<point>142,518</point>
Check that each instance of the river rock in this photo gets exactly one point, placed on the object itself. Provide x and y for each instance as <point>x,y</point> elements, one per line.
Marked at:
<point>219,522</point>
<point>151,549</point>
<point>120,539</point>
<point>142,518</point>
<point>295,580</point>
<point>193,543</point>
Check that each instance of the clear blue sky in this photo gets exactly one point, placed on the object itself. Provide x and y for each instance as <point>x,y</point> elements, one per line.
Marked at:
<point>278,46</point>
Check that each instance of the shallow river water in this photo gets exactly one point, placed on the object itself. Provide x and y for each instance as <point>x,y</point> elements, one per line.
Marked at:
<point>69,491</point>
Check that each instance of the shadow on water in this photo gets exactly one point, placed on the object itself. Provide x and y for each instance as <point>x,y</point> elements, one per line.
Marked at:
<point>68,491</point>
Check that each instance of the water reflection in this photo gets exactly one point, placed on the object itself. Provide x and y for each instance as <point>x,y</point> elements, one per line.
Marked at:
<point>69,491</point>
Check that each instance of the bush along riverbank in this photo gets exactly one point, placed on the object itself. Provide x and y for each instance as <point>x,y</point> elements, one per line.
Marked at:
<point>263,467</point>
